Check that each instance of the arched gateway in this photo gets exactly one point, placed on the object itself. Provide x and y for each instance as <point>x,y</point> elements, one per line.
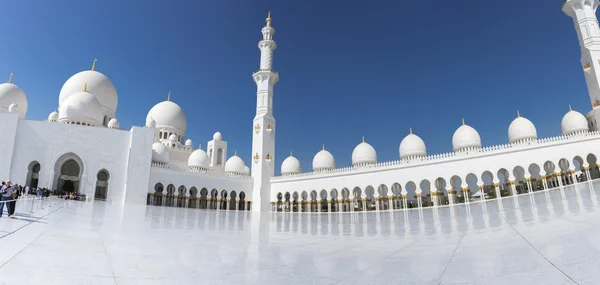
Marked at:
<point>68,171</point>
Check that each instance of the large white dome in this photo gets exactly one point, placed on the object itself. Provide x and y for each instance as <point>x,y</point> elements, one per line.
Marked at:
<point>199,158</point>
<point>9,94</point>
<point>521,129</point>
<point>167,114</point>
<point>235,165</point>
<point>160,153</point>
<point>412,146</point>
<point>573,123</point>
<point>97,84</point>
<point>364,153</point>
<point>81,107</point>
<point>323,160</point>
<point>465,137</point>
<point>290,165</point>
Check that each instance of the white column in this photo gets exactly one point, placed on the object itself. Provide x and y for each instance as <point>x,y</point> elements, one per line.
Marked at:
<point>559,178</point>
<point>497,190</point>
<point>451,196</point>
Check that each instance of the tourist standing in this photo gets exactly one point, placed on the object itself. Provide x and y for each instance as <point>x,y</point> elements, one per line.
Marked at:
<point>13,202</point>
<point>7,195</point>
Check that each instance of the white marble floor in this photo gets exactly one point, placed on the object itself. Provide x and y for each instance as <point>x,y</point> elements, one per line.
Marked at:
<point>549,237</point>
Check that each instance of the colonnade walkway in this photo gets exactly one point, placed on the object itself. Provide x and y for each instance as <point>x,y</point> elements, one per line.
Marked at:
<point>545,237</point>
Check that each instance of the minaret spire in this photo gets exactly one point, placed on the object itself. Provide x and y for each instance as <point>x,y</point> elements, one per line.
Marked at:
<point>263,142</point>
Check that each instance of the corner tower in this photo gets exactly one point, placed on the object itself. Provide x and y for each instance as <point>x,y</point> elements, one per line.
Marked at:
<point>584,17</point>
<point>263,127</point>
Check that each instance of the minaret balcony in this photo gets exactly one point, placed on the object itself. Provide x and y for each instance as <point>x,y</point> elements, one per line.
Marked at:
<point>267,70</point>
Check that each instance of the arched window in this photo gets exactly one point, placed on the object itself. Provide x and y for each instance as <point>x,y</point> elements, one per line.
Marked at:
<point>219,156</point>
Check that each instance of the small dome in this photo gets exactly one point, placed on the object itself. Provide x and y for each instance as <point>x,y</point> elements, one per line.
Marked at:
<point>573,123</point>
<point>81,107</point>
<point>173,137</point>
<point>113,123</point>
<point>199,158</point>
<point>412,146</point>
<point>465,137</point>
<point>235,165</point>
<point>521,129</point>
<point>160,153</point>
<point>9,94</point>
<point>323,160</point>
<point>97,84</point>
<point>364,153</point>
<point>13,108</point>
<point>217,136</point>
<point>167,114</point>
<point>189,143</point>
<point>291,165</point>
<point>247,171</point>
<point>150,123</point>
<point>53,117</point>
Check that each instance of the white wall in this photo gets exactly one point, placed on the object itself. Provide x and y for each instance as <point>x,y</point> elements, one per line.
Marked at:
<point>45,142</point>
<point>506,157</point>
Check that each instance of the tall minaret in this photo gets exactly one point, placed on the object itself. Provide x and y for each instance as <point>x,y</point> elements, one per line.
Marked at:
<point>263,129</point>
<point>583,13</point>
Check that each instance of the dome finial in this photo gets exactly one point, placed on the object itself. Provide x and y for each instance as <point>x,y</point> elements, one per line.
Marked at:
<point>10,78</point>
<point>235,153</point>
<point>463,121</point>
<point>363,139</point>
<point>269,17</point>
<point>410,130</point>
<point>169,96</point>
<point>94,64</point>
<point>323,146</point>
<point>85,87</point>
<point>518,114</point>
<point>570,109</point>
<point>291,153</point>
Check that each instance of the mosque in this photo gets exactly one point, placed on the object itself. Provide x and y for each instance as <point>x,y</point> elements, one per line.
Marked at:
<point>81,148</point>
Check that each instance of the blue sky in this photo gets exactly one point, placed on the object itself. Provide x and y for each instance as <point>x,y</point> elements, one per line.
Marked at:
<point>347,68</point>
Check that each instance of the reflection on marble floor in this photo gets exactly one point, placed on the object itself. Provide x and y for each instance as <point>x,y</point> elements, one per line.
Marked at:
<point>548,237</point>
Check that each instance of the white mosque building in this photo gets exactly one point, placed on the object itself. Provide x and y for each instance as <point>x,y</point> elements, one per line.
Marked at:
<point>81,148</point>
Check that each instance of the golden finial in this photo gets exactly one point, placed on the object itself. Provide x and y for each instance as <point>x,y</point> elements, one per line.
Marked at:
<point>94,64</point>
<point>85,87</point>
<point>518,114</point>
<point>235,153</point>
<point>10,78</point>
<point>169,96</point>
<point>410,130</point>
<point>363,139</point>
<point>269,17</point>
<point>570,109</point>
<point>463,121</point>
<point>323,146</point>
<point>291,153</point>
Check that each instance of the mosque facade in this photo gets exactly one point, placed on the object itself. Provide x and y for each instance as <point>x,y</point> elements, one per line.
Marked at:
<point>81,148</point>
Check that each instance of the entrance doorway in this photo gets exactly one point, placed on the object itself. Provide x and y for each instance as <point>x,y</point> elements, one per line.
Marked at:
<point>68,169</point>
<point>33,174</point>
<point>101,185</point>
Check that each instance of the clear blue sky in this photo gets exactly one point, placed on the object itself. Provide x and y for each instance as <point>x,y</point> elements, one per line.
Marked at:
<point>347,68</point>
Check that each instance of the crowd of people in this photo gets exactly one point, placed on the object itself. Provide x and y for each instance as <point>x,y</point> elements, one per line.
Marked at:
<point>10,193</point>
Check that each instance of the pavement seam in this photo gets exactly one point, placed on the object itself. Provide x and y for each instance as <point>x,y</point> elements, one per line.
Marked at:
<point>538,252</point>
<point>450,259</point>
<point>43,232</point>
